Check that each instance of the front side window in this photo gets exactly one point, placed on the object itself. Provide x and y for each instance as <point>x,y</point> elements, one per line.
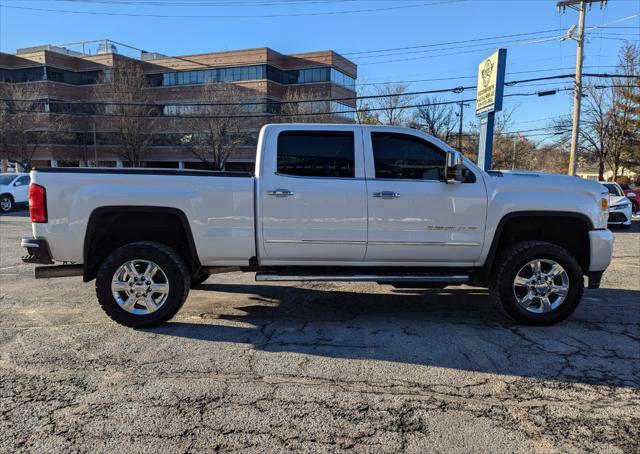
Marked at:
<point>24,181</point>
<point>404,157</point>
<point>316,154</point>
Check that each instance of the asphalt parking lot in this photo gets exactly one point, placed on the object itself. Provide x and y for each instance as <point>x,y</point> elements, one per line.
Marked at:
<point>316,368</point>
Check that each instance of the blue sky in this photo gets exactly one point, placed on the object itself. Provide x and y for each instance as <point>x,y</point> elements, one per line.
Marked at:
<point>387,25</point>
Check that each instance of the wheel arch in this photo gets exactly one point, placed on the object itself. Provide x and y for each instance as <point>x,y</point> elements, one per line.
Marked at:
<point>536,229</point>
<point>100,239</point>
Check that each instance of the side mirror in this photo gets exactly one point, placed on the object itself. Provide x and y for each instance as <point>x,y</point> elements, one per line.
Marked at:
<point>452,167</point>
<point>631,195</point>
<point>17,183</point>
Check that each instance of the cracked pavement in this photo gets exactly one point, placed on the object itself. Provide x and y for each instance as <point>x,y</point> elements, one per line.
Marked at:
<point>316,368</point>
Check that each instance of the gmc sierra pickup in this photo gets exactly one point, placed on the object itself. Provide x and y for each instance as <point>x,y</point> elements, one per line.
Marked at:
<point>325,203</point>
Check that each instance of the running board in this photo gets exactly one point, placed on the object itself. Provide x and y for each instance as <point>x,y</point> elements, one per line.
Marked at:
<point>448,279</point>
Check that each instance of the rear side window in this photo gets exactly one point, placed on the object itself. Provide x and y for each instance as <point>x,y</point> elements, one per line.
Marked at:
<point>316,154</point>
<point>404,157</point>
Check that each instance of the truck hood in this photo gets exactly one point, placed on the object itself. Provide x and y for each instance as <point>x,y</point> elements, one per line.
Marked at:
<point>542,192</point>
<point>548,182</point>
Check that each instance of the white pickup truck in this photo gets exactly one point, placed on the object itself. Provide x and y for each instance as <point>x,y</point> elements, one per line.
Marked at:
<point>326,203</point>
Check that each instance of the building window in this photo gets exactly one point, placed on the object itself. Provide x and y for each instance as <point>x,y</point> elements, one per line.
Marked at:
<point>342,79</point>
<point>343,110</point>
<point>72,77</point>
<point>405,157</point>
<point>22,75</point>
<point>316,154</point>
<point>254,72</point>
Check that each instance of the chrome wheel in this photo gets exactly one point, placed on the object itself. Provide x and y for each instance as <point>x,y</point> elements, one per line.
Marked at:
<point>140,287</point>
<point>541,286</point>
<point>5,204</point>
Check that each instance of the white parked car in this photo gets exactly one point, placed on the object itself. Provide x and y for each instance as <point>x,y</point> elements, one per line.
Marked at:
<point>620,211</point>
<point>326,202</point>
<point>14,190</point>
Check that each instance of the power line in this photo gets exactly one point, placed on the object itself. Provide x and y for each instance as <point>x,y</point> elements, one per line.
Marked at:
<point>459,89</point>
<point>488,38</point>
<point>464,46</point>
<point>233,16</point>
<point>262,115</point>
<point>474,76</point>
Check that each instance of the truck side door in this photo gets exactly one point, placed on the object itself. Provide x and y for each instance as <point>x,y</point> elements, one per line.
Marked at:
<point>414,216</point>
<point>313,199</point>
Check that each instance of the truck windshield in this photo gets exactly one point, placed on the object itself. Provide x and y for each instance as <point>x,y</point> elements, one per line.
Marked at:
<point>6,179</point>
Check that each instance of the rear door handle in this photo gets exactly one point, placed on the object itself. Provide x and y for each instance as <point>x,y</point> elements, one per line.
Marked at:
<point>387,194</point>
<point>280,193</point>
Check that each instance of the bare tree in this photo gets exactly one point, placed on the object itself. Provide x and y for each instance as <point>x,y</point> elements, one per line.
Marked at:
<point>364,113</point>
<point>393,104</point>
<point>436,118</point>
<point>624,143</point>
<point>609,132</point>
<point>25,123</point>
<point>216,126</point>
<point>304,106</point>
<point>595,130</point>
<point>131,112</point>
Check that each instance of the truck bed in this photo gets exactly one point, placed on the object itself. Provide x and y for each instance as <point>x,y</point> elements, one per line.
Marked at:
<point>217,206</point>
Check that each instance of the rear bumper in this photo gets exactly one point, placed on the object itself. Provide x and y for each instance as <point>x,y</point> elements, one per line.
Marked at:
<point>601,249</point>
<point>37,251</point>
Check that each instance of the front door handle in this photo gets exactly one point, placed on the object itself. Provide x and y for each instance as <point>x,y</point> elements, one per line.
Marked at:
<point>387,194</point>
<point>280,193</point>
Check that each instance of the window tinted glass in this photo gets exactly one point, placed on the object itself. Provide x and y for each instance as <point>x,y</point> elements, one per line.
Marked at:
<point>613,189</point>
<point>316,154</point>
<point>24,181</point>
<point>6,179</point>
<point>398,156</point>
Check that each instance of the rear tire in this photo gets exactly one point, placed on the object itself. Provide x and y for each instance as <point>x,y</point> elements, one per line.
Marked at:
<point>142,285</point>
<point>6,203</point>
<point>537,283</point>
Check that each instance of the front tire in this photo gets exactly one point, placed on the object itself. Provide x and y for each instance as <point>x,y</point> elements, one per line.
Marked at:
<point>537,283</point>
<point>6,203</point>
<point>142,285</point>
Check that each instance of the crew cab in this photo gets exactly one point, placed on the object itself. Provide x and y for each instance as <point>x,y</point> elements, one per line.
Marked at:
<point>326,202</point>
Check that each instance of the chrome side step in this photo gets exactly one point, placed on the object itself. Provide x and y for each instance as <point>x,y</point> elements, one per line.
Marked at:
<point>449,279</point>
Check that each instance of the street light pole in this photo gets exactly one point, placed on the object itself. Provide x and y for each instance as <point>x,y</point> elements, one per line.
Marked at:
<point>581,7</point>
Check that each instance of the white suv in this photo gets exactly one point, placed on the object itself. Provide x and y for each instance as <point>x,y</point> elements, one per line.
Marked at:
<point>619,205</point>
<point>14,190</point>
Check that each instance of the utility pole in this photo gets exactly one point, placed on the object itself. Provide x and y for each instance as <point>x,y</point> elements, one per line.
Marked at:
<point>581,7</point>
<point>460,115</point>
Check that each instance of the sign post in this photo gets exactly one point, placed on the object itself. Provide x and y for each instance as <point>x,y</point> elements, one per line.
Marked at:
<point>489,101</point>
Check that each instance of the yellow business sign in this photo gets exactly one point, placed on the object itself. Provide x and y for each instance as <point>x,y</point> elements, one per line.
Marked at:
<point>490,83</point>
